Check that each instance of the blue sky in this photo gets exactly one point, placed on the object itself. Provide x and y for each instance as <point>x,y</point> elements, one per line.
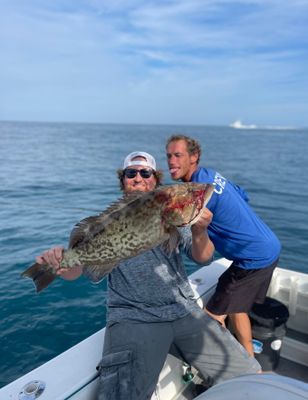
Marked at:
<point>154,61</point>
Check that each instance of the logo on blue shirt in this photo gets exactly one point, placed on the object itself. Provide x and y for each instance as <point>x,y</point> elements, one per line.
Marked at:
<point>220,183</point>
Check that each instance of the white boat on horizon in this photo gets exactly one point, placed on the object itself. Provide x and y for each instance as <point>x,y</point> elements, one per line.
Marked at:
<point>237,124</point>
<point>73,374</point>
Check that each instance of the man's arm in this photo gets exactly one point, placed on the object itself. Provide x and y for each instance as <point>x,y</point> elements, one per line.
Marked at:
<point>202,247</point>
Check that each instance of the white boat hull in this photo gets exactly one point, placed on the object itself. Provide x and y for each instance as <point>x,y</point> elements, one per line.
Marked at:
<point>73,375</point>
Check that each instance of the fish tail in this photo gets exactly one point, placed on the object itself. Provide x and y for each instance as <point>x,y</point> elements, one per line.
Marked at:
<point>41,276</point>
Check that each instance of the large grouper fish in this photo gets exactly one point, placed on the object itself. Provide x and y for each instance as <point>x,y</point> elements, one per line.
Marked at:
<point>127,228</point>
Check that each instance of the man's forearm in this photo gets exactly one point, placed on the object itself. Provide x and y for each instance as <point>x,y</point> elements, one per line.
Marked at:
<point>202,246</point>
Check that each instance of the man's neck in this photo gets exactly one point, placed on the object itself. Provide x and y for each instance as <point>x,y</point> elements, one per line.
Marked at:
<point>187,177</point>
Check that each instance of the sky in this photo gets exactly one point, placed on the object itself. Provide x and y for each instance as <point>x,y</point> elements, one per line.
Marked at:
<point>192,62</point>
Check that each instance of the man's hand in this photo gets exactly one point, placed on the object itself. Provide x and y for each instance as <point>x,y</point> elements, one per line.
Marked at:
<point>53,258</point>
<point>203,222</point>
<point>202,247</point>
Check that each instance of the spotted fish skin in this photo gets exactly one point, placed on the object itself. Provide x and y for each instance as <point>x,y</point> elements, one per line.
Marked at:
<point>134,224</point>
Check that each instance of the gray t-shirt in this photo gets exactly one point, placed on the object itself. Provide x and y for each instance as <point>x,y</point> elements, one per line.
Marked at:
<point>152,287</point>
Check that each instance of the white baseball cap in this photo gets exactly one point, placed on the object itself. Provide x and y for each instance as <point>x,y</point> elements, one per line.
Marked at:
<point>148,161</point>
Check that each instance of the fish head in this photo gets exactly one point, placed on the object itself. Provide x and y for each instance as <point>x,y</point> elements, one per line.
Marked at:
<point>182,204</point>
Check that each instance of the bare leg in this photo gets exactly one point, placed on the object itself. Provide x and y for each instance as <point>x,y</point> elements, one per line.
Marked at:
<point>242,329</point>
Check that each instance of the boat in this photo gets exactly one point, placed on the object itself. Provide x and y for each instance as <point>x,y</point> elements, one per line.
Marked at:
<point>73,374</point>
<point>237,124</point>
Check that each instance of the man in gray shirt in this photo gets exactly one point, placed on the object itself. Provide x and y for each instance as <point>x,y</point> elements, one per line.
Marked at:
<point>151,307</point>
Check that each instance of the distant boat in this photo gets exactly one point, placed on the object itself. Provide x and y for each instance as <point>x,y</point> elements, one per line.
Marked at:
<point>237,124</point>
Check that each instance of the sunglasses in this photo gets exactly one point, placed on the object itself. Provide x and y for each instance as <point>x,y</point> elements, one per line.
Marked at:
<point>132,173</point>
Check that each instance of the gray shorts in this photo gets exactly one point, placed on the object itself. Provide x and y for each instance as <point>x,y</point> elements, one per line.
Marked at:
<point>134,354</point>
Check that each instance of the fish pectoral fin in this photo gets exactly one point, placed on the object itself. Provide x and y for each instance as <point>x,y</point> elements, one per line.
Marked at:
<point>41,275</point>
<point>98,273</point>
<point>173,240</point>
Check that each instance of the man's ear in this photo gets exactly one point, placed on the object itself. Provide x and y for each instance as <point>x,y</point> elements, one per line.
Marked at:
<point>194,158</point>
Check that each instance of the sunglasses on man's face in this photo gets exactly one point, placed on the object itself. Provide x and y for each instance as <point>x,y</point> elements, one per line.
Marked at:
<point>132,173</point>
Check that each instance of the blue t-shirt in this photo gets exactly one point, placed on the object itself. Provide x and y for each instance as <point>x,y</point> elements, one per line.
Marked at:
<point>236,231</point>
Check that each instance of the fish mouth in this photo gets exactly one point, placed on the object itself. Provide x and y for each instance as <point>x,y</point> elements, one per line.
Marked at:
<point>185,213</point>
<point>201,198</point>
<point>195,218</point>
<point>183,204</point>
<point>195,213</point>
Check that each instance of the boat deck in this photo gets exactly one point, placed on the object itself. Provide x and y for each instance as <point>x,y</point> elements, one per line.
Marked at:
<point>80,382</point>
<point>290,289</point>
<point>292,370</point>
<point>285,367</point>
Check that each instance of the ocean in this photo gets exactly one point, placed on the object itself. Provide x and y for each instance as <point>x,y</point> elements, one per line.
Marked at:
<point>54,174</point>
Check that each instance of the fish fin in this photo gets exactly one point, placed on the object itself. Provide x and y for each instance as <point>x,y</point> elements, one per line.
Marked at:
<point>41,275</point>
<point>81,231</point>
<point>95,272</point>
<point>122,202</point>
<point>173,241</point>
<point>89,227</point>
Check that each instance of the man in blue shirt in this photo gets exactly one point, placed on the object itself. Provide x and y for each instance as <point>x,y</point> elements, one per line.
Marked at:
<point>237,234</point>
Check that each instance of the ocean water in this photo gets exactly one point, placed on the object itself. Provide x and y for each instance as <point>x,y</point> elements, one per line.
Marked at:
<point>52,175</point>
